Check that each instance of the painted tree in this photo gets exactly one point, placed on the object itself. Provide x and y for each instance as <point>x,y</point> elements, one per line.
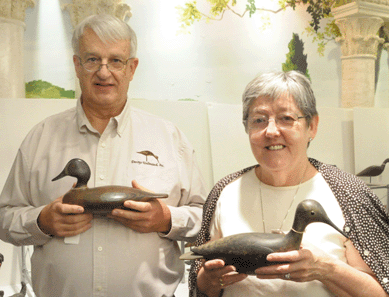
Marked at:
<point>295,59</point>
<point>317,9</point>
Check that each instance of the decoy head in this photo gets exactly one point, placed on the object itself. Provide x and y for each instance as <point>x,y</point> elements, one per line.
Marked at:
<point>311,211</point>
<point>77,168</point>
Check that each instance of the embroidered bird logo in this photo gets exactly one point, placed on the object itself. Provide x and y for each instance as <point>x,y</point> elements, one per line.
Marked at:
<point>148,154</point>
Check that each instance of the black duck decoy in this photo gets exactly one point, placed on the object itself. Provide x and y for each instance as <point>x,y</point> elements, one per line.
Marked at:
<point>99,200</point>
<point>373,170</point>
<point>248,251</point>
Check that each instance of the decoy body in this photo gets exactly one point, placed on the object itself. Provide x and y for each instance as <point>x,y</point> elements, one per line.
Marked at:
<point>99,200</point>
<point>248,251</point>
<point>373,170</point>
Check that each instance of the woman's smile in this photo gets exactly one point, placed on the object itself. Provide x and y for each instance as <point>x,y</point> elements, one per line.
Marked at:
<point>275,147</point>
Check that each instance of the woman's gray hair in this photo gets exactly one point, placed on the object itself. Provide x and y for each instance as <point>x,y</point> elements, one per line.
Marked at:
<point>108,28</point>
<point>276,84</point>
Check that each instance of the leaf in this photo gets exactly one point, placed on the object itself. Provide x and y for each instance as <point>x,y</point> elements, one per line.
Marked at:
<point>252,9</point>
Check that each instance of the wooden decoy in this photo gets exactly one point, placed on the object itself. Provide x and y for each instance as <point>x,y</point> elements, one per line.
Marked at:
<point>248,251</point>
<point>99,200</point>
<point>373,170</point>
<point>22,292</point>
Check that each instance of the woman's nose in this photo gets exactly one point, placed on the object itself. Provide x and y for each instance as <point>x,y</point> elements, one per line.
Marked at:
<point>272,128</point>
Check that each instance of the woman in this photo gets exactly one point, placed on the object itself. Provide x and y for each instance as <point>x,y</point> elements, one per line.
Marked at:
<point>280,117</point>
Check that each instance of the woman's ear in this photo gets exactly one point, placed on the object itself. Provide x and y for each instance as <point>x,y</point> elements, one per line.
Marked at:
<point>313,126</point>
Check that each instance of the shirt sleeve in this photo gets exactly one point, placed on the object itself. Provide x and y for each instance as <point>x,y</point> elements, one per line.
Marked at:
<point>18,216</point>
<point>187,215</point>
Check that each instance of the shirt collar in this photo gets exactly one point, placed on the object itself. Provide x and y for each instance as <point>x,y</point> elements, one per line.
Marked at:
<point>121,120</point>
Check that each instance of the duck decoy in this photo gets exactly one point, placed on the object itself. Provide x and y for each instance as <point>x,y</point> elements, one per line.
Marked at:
<point>22,292</point>
<point>248,251</point>
<point>373,170</point>
<point>99,200</point>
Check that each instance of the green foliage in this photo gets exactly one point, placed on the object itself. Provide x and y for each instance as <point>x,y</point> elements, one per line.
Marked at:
<point>317,9</point>
<point>218,6</point>
<point>322,37</point>
<point>188,15</point>
<point>295,59</point>
<point>250,7</point>
<point>44,89</point>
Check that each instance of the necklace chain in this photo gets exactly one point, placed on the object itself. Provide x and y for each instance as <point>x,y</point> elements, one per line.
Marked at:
<point>286,215</point>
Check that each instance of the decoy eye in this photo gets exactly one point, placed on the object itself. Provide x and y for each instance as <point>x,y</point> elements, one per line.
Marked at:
<point>312,213</point>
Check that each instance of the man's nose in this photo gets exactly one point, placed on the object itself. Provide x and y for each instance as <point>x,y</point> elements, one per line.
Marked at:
<point>103,71</point>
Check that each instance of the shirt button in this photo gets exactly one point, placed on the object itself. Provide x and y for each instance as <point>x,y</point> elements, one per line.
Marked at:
<point>103,145</point>
<point>366,252</point>
<point>99,288</point>
<point>385,280</point>
<point>100,248</point>
<point>102,177</point>
<point>347,229</point>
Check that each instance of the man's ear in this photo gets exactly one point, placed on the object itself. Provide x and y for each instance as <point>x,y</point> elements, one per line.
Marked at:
<point>133,64</point>
<point>77,65</point>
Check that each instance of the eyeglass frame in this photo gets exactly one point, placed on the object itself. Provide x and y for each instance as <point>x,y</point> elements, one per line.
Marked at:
<point>106,64</point>
<point>246,123</point>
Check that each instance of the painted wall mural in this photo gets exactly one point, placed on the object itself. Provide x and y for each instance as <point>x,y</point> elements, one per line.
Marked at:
<point>44,89</point>
<point>215,61</point>
<point>320,25</point>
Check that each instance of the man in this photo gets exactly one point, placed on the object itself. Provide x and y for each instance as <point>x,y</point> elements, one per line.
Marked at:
<point>129,252</point>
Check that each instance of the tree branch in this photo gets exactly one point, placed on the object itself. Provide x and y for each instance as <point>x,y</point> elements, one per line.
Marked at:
<point>242,14</point>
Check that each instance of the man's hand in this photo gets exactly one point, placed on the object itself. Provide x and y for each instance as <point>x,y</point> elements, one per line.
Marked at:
<point>63,220</point>
<point>150,216</point>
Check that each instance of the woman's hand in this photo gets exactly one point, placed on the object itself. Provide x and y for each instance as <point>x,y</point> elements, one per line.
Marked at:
<point>351,279</point>
<point>304,265</point>
<point>213,276</point>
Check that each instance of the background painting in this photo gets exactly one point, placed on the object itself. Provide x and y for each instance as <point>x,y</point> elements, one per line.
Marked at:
<point>211,63</point>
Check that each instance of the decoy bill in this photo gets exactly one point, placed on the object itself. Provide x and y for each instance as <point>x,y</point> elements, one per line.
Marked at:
<point>248,251</point>
<point>99,200</point>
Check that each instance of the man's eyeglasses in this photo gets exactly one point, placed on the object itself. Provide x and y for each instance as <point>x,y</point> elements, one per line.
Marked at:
<point>94,64</point>
<point>284,121</point>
